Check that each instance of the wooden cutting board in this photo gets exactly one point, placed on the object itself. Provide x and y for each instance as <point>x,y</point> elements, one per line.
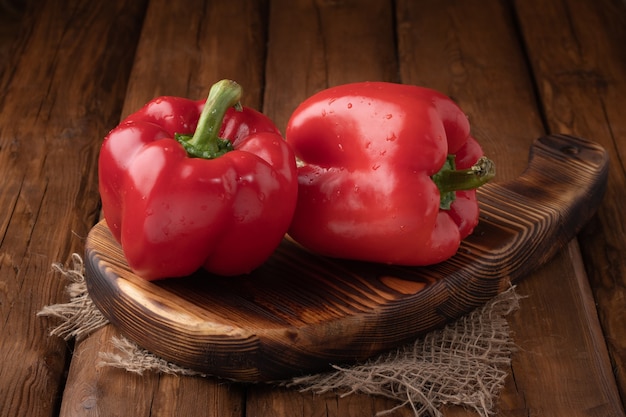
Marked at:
<point>300,312</point>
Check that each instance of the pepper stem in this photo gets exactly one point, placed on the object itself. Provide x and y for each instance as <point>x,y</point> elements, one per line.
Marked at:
<point>449,179</point>
<point>205,142</point>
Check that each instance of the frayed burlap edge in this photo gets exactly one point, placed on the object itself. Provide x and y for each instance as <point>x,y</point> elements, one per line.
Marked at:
<point>465,363</point>
<point>79,317</point>
<point>134,359</point>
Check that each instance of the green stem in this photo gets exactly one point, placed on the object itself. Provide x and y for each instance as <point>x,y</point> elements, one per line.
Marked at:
<point>449,179</point>
<point>205,142</point>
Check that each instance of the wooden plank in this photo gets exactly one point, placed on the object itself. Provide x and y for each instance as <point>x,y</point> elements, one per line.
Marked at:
<point>580,68</point>
<point>274,401</point>
<point>485,71</point>
<point>184,48</point>
<point>447,46</point>
<point>546,379</point>
<point>187,47</point>
<point>12,23</point>
<point>314,44</point>
<point>65,85</point>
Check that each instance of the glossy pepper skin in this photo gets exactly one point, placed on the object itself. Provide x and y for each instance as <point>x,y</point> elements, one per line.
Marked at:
<point>371,155</point>
<point>225,209</point>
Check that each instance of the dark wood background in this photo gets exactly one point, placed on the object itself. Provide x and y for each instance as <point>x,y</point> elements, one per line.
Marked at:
<point>69,70</point>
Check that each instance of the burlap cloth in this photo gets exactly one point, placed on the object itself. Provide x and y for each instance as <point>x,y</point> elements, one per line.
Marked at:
<point>465,363</point>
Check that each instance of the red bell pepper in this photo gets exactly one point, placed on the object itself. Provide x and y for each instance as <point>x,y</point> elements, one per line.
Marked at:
<point>387,173</point>
<point>221,198</point>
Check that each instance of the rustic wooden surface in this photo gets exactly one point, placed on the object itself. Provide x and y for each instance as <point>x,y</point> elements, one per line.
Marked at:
<point>520,69</point>
<point>299,312</point>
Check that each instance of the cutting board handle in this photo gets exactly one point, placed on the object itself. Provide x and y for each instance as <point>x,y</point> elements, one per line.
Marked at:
<point>525,221</point>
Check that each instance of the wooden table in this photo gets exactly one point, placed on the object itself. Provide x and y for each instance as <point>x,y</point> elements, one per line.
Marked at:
<point>69,70</point>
